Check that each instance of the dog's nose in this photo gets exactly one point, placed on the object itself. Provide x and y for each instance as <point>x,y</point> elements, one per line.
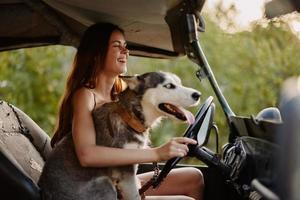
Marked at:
<point>196,96</point>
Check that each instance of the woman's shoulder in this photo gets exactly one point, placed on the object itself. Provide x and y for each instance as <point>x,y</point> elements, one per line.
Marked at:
<point>84,93</point>
<point>84,96</point>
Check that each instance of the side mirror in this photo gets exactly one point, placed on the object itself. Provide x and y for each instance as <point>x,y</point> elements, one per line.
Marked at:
<point>271,114</point>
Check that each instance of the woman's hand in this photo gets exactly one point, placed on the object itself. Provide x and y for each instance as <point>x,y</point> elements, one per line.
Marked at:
<point>176,147</point>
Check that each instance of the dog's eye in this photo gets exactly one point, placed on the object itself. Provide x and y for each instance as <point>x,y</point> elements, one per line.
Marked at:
<point>170,86</point>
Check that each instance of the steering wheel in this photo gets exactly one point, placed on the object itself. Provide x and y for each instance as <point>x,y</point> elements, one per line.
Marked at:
<point>198,130</point>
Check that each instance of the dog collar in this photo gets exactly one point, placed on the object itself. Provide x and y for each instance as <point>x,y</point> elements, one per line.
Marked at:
<point>131,120</point>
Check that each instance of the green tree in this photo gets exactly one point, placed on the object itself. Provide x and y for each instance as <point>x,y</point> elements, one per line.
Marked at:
<point>33,80</point>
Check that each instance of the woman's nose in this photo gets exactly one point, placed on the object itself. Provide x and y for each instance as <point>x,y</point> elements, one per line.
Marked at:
<point>124,50</point>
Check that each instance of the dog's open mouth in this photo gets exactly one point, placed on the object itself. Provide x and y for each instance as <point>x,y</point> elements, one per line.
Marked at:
<point>179,113</point>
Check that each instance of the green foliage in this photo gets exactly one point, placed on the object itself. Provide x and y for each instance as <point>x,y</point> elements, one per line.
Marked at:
<point>249,67</point>
<point>33,80</point>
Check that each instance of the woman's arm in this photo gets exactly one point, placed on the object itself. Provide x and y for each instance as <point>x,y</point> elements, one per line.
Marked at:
<point>91,155</point>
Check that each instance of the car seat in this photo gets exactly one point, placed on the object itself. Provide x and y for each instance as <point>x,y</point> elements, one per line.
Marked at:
<point>24,147</point>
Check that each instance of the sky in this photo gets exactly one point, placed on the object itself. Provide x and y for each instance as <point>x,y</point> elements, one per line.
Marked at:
<point>249,11</point>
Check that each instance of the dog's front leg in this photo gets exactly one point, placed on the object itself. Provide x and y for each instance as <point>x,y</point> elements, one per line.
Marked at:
<point>128,188</point>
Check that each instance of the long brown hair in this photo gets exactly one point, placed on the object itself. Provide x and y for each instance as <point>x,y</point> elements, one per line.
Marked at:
<point>88,61</point>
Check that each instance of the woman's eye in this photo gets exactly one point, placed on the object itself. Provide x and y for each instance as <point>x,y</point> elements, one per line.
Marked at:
<point>170,86</point>
<point>119,46</point>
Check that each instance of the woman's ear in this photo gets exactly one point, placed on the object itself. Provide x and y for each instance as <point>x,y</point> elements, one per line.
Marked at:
<point>131,81</point>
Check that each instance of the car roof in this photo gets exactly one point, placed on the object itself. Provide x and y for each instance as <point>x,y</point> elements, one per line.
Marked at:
<point>32,23</point>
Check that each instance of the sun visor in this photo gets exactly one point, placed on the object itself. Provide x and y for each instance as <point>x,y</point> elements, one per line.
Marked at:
<point>151,27</point>
<point>144,22</point>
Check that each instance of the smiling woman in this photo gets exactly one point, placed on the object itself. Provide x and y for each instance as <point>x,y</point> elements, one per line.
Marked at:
<point>61,22</point>
<point>89,63</point>
<point>79,144</point>
<point>158,28</point>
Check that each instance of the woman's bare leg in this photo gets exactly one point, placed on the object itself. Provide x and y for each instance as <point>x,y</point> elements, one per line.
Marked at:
<point>186,181</point>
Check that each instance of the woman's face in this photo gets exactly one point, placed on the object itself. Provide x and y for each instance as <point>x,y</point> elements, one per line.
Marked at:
<point>117,54</point>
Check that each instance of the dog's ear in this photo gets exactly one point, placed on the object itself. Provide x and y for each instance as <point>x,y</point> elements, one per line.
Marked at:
<point>131,81</point>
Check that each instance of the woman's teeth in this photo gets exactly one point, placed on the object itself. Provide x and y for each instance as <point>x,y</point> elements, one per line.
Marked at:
<point>121,60</point>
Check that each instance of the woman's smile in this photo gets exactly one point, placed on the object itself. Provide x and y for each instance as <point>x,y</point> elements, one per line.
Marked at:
<point>122,60</point>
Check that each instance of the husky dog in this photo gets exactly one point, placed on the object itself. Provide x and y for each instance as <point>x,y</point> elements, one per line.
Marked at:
<point>122,124</point>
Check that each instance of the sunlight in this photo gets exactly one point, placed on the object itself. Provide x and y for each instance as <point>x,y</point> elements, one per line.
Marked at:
<point>249,12</point>
<point>296,26</point>
<point>246,11</point>
<point>293,20</point>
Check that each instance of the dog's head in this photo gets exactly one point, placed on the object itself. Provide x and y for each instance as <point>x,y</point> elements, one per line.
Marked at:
<point>162,94</point>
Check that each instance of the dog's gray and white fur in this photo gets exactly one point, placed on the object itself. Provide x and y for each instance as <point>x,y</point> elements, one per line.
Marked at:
<point>63,178</point>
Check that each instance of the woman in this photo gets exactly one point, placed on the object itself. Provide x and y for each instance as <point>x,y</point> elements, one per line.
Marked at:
<point>101,57</point>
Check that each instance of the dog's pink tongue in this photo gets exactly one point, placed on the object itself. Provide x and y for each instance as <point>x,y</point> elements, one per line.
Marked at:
<point>189,116</point>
